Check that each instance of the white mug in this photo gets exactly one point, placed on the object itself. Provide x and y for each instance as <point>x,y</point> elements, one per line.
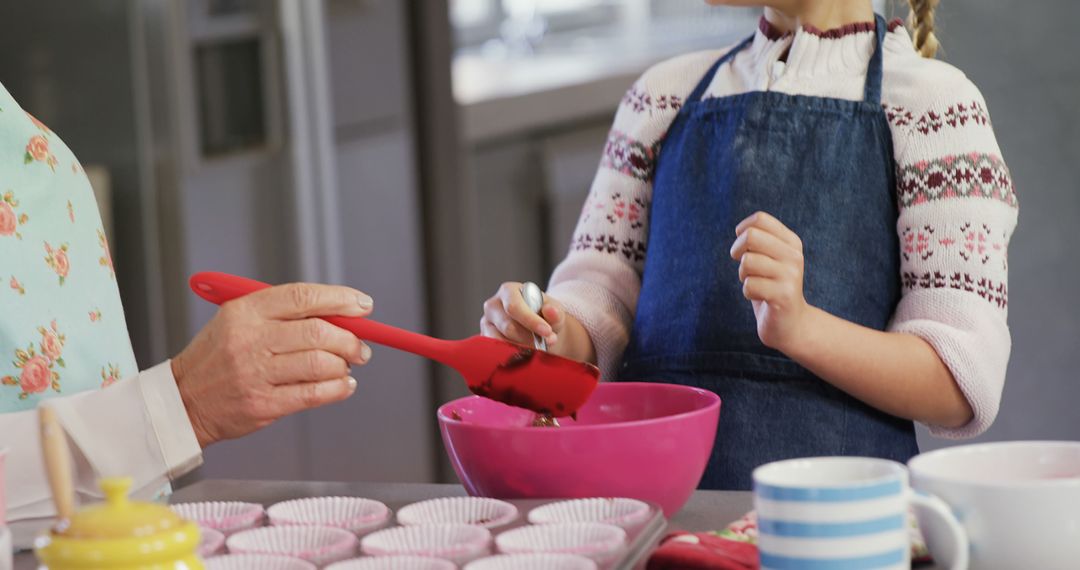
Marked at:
<point>1019,502</point>
<point>846,512</point>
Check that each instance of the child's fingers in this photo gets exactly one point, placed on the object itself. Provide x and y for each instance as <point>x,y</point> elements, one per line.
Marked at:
<point>487,329</point>
<point>760,265</point>
<point>772,225</point>
<point>554,314</point>
<point>761,289</point>
<point>514,305</point>
<point>757,240</point>
<point>506,325</point>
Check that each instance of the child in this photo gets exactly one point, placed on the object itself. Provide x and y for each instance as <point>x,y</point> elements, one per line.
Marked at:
<point>812,224</point>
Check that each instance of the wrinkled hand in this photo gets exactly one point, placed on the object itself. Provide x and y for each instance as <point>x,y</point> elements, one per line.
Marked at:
<point>770,260</point>
<point>265,356</point>
<point>508,317</point>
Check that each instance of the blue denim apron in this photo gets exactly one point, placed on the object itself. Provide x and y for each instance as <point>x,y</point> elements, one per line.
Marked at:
<point>823,167</point>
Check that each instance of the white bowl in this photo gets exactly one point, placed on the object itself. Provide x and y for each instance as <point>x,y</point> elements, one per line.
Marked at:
<point>1018,501</point>
<point>229,517</point>
<point>257,562</point>
<point>625,513</point>
<point>477,511</point>
<point>320,545</point>
<point>393,563</point>
<point>458,543</point>
<point>357,515</point>
<point>534,561</point>
<point>598,541</point>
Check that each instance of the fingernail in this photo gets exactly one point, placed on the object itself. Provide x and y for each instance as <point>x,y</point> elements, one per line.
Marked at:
<point>553,338</point>
<point>365,302</point>
<point>352,383</point>
<point>365,353</point>
<point>545,330</point>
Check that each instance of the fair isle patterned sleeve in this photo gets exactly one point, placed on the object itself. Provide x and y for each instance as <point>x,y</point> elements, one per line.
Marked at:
<point>957,211</point>
<point>600,278</point>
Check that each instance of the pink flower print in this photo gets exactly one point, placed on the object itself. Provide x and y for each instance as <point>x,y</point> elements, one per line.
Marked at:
<point>36,374</point>
<point>38,123</point>
<point>58,260</point>
<point>38,150</point>
<point>16,286</point>
<point>110,378</point>
<point>95,315</point>
<point>106,258</point>
<point>52,344</point>
<point>71,212</point>
<point>9,220</point>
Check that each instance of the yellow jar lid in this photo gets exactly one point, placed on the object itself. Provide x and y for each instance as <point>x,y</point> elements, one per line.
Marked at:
<point>119,533</point>
<point>119,517</point>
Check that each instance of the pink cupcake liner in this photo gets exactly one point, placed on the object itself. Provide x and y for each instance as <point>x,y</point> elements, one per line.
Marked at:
<point>320,545</point>
<point>357,515</point>
<point>394,563</point>
<point>533,561</point>
<point>625,513</point>
<point>476,511</point>
<point>458,543</point>
<point>257,562</point>
<point>228,517</point>
<point>211,542</point>
<point>598,541</point>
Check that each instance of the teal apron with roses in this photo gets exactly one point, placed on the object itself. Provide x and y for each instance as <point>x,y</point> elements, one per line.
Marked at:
<point>62,328</point>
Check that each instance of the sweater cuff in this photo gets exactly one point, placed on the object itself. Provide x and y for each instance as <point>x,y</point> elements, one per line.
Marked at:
<point>179,447</point>
<point>604,317</point>
<point>972,338</point>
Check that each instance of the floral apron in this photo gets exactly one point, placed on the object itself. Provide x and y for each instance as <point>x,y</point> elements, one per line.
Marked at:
<point>62,328</point>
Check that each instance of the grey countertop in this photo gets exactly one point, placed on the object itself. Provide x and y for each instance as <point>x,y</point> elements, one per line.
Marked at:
<point>706,510</point>
<point>570,77</point>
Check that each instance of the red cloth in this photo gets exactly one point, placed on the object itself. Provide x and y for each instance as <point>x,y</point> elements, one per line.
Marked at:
<point>693,551</point>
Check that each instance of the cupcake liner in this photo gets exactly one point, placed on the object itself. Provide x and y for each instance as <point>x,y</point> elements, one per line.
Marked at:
<point>458,543</point>
<point>625,513</point>
<point>393,563</point>
<point>357,515</point>
<point>533,561</point>
<point>229,517</point>
<point>319,545</point>
<point>257,562</point>
<point>211,542</point>
<point>598,541</point>
<point>476,511</point>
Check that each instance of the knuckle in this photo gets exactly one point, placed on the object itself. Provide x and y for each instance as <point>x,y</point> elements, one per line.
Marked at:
<point>309,395</point>
<point>302,295</point>
<point>316,331</point>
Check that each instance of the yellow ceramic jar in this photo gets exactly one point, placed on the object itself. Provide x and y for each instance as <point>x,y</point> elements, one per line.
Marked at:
<point>121,535</point>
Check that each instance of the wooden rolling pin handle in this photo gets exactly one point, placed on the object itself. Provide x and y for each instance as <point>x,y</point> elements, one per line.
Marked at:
<point>57,465</point>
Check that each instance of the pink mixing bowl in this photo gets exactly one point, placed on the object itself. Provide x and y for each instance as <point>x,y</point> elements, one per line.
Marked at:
<point>640,440</point>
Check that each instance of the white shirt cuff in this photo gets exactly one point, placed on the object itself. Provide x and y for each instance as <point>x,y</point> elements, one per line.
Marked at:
<point>179,447</point>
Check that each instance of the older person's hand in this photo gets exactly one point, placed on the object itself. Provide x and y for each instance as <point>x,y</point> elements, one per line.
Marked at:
<point>267,355</point>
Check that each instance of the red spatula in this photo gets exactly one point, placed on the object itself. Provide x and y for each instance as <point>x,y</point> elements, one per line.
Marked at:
<point>496,369</point>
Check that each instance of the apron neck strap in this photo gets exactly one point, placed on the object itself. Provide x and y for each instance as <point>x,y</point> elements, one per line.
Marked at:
<point>702,85</point>
<point>872,88</point>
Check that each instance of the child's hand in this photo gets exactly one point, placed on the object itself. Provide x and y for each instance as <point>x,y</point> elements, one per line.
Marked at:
<point>507,317</point>
<point>770,260</point>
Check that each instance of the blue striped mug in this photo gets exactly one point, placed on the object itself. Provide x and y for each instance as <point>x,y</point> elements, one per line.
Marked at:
<point>846,513</point>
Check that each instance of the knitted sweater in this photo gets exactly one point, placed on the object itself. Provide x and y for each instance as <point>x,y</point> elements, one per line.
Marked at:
<point>957,207</point>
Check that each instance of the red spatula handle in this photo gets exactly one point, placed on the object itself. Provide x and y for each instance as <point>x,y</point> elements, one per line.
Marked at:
<point>219,288</point>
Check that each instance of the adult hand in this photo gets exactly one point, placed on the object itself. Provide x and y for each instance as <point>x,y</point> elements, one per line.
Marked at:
<point>266,355</point>
<point>770,260</point>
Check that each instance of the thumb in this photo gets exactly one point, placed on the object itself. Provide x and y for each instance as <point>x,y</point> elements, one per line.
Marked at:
<point>555,315</point>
